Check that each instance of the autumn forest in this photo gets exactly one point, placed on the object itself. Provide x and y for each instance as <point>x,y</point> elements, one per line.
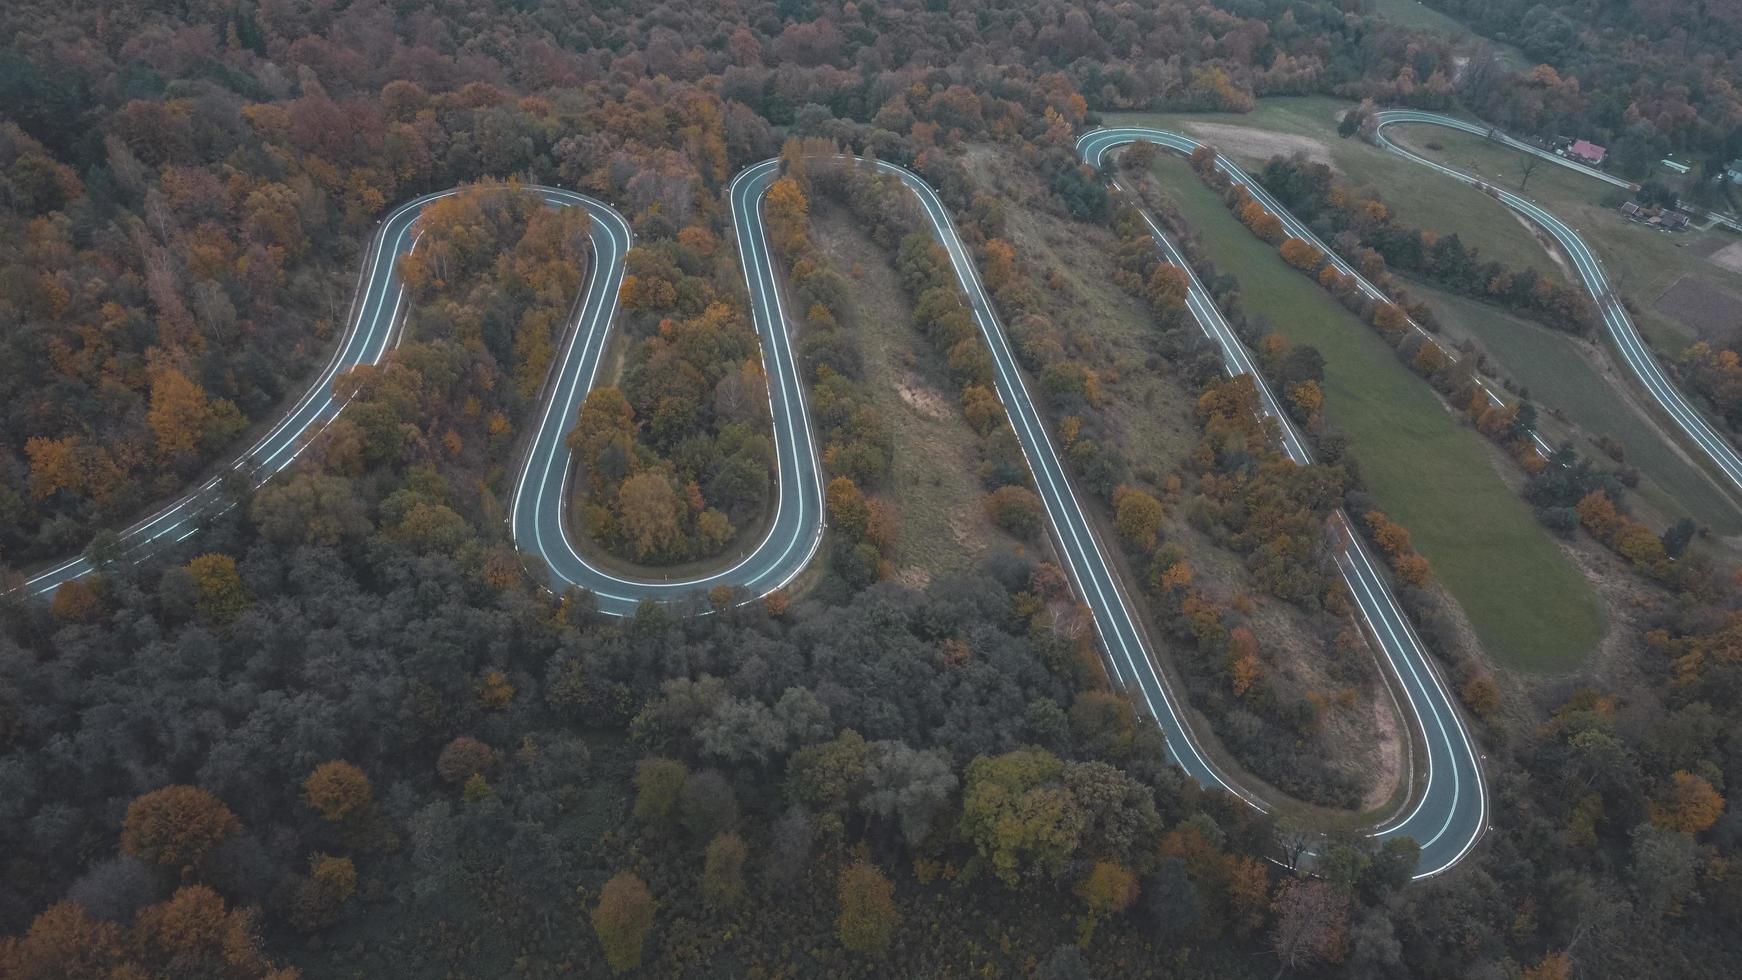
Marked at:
<point>341,725</point>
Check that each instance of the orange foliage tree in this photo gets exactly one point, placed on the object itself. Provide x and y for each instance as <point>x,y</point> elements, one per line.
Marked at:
<point>338,791</point>
<point>176,827</point>
<point>1688,804</point>
<point>1301,254</point>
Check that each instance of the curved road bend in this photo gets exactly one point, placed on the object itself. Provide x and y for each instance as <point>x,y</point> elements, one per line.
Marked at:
<point>540,494</point>
<point>371,330</point>
<point>1450,813</point>
<point>1714,444</point>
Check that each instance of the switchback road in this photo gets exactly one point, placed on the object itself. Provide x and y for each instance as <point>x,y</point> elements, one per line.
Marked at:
<point>1449,812</point>
<point>1447,815</point>
<point>541,493</point>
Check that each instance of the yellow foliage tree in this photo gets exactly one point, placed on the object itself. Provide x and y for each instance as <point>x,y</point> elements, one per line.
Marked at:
<point>848,511</point>
<point>649,513</point>
<point>1308,397</point>
<point>786,209</point>
<point>1244,668</point>
<point>1167,288</point>
<point>219,595</point>
<point>1137,517</point>
<point>622,920</point>
<point>868,915</point>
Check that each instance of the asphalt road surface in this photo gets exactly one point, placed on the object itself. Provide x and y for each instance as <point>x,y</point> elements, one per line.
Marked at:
<point>1448,810</point>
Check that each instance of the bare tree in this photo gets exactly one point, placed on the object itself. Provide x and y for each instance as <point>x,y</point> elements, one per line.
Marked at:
<point>1531,162</point>
<point>1312,924</point>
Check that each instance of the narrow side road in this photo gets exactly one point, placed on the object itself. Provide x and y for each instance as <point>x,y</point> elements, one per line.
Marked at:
<point>1715,445</point>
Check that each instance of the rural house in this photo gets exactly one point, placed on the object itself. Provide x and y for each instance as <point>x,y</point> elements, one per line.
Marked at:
<point>1585,151</point>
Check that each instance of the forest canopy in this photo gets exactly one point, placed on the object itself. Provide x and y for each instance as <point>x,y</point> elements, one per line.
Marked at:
<point>341,731</point>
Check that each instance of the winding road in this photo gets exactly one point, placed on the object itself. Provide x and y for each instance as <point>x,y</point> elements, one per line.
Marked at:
<point>1619,325</point>
<point>537,514</point>
<point>1446,815</point>
<point>1449,813</point>
<point>373,329</point>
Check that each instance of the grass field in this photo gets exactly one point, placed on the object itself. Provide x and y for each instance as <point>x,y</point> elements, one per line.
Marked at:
<point>937,493</point>
<point>1560,373</point>
<point>1531,608</point>
<point>1642,261</point>
<point>1414,195</point>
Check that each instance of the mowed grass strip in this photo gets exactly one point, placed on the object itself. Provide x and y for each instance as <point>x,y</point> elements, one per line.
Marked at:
<point>1559,375</point>
<point>1531,608</point>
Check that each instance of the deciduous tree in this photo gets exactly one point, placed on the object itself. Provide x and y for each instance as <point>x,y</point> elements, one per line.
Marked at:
<point>219,595</point>
<point>1311,924</point>
<point>868,915</point>
<point>464,757</point>
<point>651,515</point>
<point>338,791</point>
<point>1015,509</point>
<point>176,827</point>
<point>848,512</point>
<point>1688,804</point>
<point>723,871</point>
<point>622,920</point>
<point>1137,517</point>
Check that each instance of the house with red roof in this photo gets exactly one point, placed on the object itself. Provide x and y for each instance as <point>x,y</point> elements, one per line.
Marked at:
<point>1587,152</point>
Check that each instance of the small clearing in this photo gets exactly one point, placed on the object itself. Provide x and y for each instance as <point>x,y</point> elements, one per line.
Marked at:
<point>1260,144</point>
<point>926,400</point>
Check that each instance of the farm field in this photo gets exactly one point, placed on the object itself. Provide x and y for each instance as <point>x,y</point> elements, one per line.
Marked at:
<point>1675,282</point>
<point>1530,607</point>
